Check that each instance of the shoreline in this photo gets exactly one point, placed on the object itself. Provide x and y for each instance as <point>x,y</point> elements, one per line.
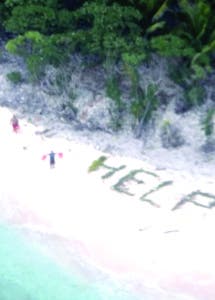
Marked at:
<point>119,232</point>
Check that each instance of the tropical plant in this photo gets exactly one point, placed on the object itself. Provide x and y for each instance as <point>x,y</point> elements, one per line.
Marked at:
<point>113,92</point>
<point>3,17</point>
<point>110,29</point>
<point>194,95</point>
<point>144,103</point>
<point>170,45</point>
<point>38,50</point>
<point>152,14</point>
<point>15,77</point>
<point>170,135</point>
<point>207,122</point>
<point>115,31</point>
<point>31,18</point>
<point>96,164</point>
<point>197,27</point>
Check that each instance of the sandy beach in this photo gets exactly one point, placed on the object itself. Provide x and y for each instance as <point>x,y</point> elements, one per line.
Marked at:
<point>143,232</point>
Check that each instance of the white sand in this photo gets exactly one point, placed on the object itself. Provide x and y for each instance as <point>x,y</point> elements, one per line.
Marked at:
<point>172,250</point>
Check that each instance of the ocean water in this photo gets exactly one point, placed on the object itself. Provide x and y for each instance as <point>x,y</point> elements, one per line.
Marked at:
<point>28,274</point>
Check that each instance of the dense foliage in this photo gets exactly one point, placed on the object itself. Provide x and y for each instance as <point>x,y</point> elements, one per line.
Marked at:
<point>107,31</point>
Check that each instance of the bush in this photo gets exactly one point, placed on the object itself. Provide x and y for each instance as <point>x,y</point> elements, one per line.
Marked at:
<point>113,91</point>
<point>194,95</point>
<point>15,77</point>
<point>144,103</point>
<point>207,123</point>
<point>170,136</point>
<point>96,164</point>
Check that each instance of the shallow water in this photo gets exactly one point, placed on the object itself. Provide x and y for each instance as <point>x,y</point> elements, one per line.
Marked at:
<point>28,274</point>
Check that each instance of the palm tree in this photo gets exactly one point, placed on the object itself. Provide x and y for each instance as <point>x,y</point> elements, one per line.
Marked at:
<point>197,27</point>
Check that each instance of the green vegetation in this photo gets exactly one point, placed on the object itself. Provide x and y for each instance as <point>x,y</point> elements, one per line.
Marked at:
<point>144,103</point>
<point>170,135</point>
<point>123,33</point>
<point>113,91</point>
<point>15,77</point>
<point>207,123</point>
<point>153,190</point>
<point>112,170</point>
<point>194,95</point>
<point>191,198</point>
<point>96,164</point>
<point>121,187</point>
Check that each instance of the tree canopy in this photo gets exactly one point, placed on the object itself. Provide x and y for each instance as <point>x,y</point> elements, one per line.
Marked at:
<point>49,31</point>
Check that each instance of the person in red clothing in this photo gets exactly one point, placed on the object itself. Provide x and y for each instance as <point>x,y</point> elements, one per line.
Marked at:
<point>15,123</point>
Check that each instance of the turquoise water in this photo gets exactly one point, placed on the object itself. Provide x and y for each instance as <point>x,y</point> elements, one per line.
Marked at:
<point>27,274</point>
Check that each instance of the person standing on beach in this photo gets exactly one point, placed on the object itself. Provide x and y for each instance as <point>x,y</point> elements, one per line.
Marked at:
<point>52,155</point>
<point>15,123</point>
<point>52,159</point>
